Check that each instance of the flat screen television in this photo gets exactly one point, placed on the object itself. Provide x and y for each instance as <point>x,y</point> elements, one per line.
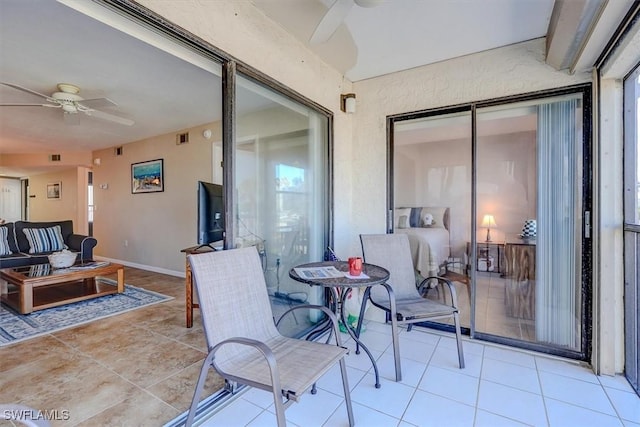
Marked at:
<point>210,213</point>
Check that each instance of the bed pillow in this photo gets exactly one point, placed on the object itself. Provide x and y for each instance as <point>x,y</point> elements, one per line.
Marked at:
<point>5,249</point>
<point>403,222</point>
<point>398,213</point>
<point>44,239</point>
<point>436,215</point>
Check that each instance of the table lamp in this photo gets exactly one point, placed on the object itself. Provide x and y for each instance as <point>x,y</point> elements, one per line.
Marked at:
<point>489,222</point>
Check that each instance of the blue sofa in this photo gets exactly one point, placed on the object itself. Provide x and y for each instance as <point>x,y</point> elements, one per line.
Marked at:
<point>20,253</point>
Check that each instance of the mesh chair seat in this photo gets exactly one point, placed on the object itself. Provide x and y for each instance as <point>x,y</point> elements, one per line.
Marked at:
<point>411,308</point>
<point>300,363</point>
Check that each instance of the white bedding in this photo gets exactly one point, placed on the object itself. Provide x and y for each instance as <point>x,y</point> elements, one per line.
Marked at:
<point>429,248</point>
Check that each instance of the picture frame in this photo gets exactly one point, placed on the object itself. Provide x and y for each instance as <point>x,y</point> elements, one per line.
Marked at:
<point>147,177</point>
<point>54,191</point>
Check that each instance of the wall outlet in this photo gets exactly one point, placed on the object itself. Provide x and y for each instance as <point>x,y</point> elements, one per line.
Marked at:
<point>126,243</point>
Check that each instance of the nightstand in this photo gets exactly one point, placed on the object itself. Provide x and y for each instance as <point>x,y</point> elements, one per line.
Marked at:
<point>489,256</point>
<point>520,286</point>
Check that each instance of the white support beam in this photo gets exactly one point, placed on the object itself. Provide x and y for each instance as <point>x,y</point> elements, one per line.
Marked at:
<point>572,21</point>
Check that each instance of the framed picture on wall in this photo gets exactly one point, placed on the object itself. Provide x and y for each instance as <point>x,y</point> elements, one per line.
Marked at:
<point>147,177</point>
<point>54,191</point>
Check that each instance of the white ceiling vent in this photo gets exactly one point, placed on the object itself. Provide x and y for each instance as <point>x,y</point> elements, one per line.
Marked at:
<point>55,157</point>
<point>182,138</point>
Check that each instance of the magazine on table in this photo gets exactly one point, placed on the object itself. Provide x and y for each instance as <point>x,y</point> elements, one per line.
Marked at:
<point>318,272</point>
<point>89,265</point>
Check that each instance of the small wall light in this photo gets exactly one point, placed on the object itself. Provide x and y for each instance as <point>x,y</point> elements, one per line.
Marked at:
<point>207,133</point>
<point>348,103</point>
<point>97,161</point>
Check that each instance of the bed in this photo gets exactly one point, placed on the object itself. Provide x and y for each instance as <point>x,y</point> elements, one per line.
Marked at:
<point>428,231</point>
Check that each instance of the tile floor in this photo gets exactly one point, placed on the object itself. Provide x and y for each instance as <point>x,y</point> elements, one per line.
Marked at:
<point>498,387</point>
<point>491,312</point>
<point>135,369</point>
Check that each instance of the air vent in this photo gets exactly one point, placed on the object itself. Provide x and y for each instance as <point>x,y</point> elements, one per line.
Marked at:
<point>55,157</point>
<point>118,151</point>
<point>182,138</point>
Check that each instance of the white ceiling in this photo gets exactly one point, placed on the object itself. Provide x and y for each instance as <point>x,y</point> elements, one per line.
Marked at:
<point>402,34</point>
<point>44,42</point>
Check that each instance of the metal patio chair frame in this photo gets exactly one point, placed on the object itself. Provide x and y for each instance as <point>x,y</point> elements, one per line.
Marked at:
<point>399,298</point>
<point>244,345</point>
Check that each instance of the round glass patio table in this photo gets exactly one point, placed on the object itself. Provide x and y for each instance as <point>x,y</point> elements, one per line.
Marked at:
<point>372,275</point>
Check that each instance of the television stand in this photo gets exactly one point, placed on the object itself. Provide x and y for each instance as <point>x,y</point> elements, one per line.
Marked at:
<point>188,282</point>
<point>197,249</point>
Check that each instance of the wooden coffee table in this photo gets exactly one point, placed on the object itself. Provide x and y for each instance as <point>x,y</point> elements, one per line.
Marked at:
<point>37,287</point>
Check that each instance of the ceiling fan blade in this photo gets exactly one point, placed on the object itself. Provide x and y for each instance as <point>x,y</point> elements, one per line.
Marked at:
<point>24,89</point>
<point>96,103</point>
<point>368,3</point>
<point>331,21</point>
<point>31,105</point>
<point>110,117</point>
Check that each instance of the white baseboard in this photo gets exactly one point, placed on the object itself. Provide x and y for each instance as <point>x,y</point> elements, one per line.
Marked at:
<point>143,267</point>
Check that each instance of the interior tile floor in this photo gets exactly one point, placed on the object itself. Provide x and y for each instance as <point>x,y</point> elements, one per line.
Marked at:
<point>135,369</point>
<point>139,369</point>
<point>491,314</point>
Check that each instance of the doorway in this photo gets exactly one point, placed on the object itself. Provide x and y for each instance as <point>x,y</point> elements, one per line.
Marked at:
<point>506,180</point>
<point>10,199</point>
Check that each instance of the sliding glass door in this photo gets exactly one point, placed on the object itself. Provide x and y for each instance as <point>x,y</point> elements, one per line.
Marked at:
<point>281,188</point>
<point>529,179</point>
<point>513,178</point>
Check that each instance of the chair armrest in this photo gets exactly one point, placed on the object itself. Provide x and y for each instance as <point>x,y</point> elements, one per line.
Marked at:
<point>264,349</point>
<point>440,279</point>
<point>83,244</point>
<point>392,297</point>
<point>325,310</point>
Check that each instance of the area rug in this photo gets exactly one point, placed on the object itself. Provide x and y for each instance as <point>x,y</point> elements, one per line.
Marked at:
<point>15,327</point>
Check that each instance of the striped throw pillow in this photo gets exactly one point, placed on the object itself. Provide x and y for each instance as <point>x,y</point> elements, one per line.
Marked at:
<point>4,242</point>
<point>44,239</point>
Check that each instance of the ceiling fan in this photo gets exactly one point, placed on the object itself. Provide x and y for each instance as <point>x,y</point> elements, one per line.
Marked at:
<point>334,17</point>
<point>71,103</point>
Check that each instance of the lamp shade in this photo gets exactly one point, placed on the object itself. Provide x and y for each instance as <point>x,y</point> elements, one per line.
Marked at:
<point>488,221</point>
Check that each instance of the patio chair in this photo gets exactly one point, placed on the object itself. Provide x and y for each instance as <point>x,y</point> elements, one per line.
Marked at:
<point>399,297</point>
<point>244,344</point>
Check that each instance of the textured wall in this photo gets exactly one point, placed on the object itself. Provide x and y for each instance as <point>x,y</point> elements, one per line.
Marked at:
<point>43,209</point>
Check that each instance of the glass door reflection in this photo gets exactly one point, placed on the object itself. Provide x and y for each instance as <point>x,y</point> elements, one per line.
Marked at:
<point>432,199</point>
<point>281,178</point>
